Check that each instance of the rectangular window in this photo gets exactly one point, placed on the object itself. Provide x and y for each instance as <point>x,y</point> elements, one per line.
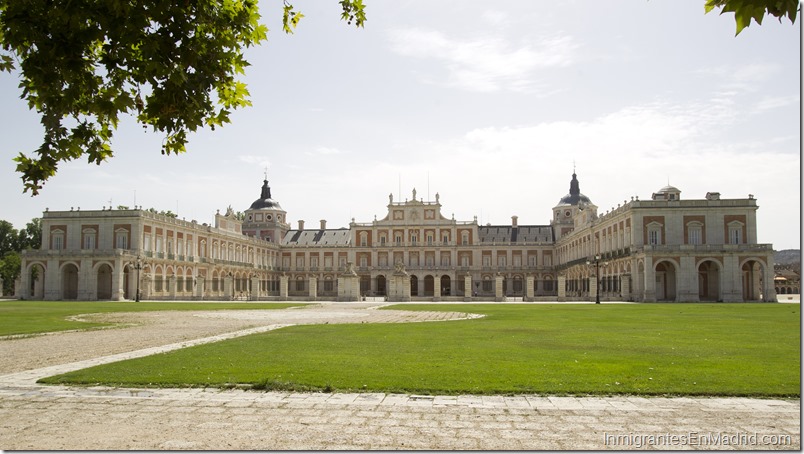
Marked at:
<point>694,236</point>
<point>487,286</point>
<point>735,235</point>
<point>121,240</point>
<point>147,243</point>
<point>487,260</point>
<point>58,242</point>
<point>89,240</point>
<point>654,237</point>
<point>501,261</point>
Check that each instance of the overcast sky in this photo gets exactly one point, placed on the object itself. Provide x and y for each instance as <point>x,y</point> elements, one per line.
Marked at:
<point>489,104</point>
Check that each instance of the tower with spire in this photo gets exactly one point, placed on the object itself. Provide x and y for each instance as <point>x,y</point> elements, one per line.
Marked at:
<point>565,212</point>
<point>265,218</point>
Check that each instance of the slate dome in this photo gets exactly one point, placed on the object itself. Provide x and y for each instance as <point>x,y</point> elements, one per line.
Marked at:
<point>574,197</point>
<point>265,202</point>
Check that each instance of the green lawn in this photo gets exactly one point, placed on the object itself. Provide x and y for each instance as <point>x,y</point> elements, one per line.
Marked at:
<point>33,317</point>
<point>648,349</point>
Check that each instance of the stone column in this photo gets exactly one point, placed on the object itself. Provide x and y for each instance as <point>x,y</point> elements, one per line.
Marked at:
<point>649,284</point>
<point>146,285</point>
<point>256,291</point>
<point>687,280</point>
<point>172,286</point>
<point>529,288</point>
<point>498,287</point>
<point>731,282</point>
<point>228,287</point>
<point>283,286</point>
<point>23,292</point>
<point>562,287</point>
<point>312,288</point>
<point>593,287</point>
<point>467,287</point>
<point>118,280</point>
<point>625,287</point>
<point>198,291</point>
<point>768,290</point>
<point>87,283</point>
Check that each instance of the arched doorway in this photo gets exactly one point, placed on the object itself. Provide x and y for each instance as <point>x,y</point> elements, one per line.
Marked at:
<point>69,282</point>
<point>709,281</point>
<point>414,285</point>
<point>429,285</point>
<point>752,272</point>
<point>104,286</point>
<point>665,281</point>
<point>518,288</point>
<point>639,289</point>
<point>381,288</point>
<point>446,286</point>
<point>37,282</point>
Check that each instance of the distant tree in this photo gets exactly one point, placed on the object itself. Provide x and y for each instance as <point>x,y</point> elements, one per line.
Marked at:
<point>30,237</point>
<point>10,264</point>
<point>745,10</point>
<point>8,237</point>
<point>172,64</point>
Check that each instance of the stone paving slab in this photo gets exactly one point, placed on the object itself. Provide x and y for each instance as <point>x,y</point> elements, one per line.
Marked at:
<point>37,417</point>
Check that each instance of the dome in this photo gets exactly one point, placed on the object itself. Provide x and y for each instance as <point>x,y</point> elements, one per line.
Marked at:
<point>667,193</point>
<point>265,202</point>
<point>668,189</point>
<point>574,197</point>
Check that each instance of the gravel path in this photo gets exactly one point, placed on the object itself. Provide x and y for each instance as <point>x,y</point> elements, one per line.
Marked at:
<point>34,417</point>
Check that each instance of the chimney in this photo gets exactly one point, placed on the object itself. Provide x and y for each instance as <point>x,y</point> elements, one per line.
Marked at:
<point>323,224</point>
<point>514,220</point>
<point>301,224</point>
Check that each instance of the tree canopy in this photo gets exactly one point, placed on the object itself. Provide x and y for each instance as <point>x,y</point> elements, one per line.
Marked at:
<point>745,10</point>
<point>173,65</point>
<point>12,241</point>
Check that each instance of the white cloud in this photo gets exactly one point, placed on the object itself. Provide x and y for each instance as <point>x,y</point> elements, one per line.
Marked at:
<point>775,102</point>
<point>262,161</point>
<point>485,64</point>
<point>325,151</point>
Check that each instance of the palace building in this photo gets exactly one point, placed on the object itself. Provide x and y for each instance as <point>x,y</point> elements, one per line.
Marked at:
<point>664,249</point>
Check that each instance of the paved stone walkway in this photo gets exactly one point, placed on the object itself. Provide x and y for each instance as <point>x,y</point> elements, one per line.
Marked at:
<point>35,417</point>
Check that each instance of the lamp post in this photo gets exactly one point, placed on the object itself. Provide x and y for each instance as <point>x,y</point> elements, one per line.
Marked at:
<point>596,262</point>
<point>138,264</point>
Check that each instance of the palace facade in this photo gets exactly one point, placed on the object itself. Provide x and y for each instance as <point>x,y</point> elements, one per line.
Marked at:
<point>663,249</point>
